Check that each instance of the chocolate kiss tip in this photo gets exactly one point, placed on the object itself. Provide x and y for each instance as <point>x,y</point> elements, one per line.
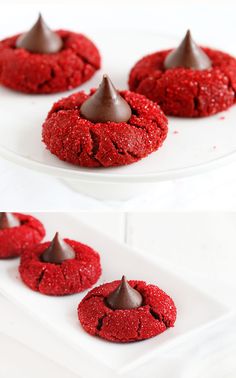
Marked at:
<point>8,220</point>
<point>40,39</point>
<point>58,251</point>
<point>106,105</point>
<point>188,55</point>
<point>124,297</point>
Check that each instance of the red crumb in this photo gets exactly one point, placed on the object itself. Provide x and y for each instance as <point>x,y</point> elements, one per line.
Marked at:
<point>184,92</point>
<point>157,313</point>
<point>14,240</point>
<point>78,141</point>
<point>72,276</point>
<point>28,72</point>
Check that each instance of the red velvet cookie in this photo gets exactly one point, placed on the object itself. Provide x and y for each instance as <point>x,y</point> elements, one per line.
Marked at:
<point>156,313</point>
<point>72,138</point>
<point>68,68</point>
<point>15,239</point>
<point>185,92</point>
<point>72,275</point>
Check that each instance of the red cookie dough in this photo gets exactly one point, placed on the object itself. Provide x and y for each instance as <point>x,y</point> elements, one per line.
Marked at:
<point>69,277</point>
<point>78,141</point>
<point>29,72</point>
<point>157,313</point>
<point>14,240</point>
<point>185,92</point>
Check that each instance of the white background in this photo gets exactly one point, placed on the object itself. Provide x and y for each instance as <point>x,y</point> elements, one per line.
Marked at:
<point>204,253</point>
<point>201,247</point>
<point>213,21</point>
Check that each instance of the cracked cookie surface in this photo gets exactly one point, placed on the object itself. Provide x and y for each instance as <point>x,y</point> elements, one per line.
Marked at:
<point>157,314</point>
<point>28,72</point>
<point>78,141</point>
<point>185,92</point>
<point>14,240</point>
<point>69,277</point>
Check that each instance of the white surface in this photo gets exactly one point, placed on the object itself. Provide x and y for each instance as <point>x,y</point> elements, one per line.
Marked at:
<point>198,243</point>
<point>25,359</point>
<point>223,141</point>
<point>60,315</point>
<point>204,355</point>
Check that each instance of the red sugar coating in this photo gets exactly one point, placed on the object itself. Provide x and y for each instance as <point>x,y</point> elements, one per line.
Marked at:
<point>14,240</point>
<point>72,276</point>
<point>78,141</point>
<point>28,72</point>
<point>184,92</point>
<point>157,313</point>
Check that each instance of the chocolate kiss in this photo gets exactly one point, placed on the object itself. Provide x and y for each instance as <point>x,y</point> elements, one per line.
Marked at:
<point>188,55</point>
<point>58,251</point>
<point>8,220</point>
<point>40,39</point>
<point>106,105</point>
<point>124,297</point>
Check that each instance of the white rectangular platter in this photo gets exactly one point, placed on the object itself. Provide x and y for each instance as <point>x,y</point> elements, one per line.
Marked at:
<point>92,355</point>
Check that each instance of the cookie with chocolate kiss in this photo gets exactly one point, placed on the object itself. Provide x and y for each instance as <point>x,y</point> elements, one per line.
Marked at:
<point>187,81</point>
<point>45,61</point>
<point>17,232</point>
<point>60,267</point>
<point>104,128</point>
<point>126,311</point>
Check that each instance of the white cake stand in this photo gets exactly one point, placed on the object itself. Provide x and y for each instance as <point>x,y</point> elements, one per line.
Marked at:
<point>192,145</point>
